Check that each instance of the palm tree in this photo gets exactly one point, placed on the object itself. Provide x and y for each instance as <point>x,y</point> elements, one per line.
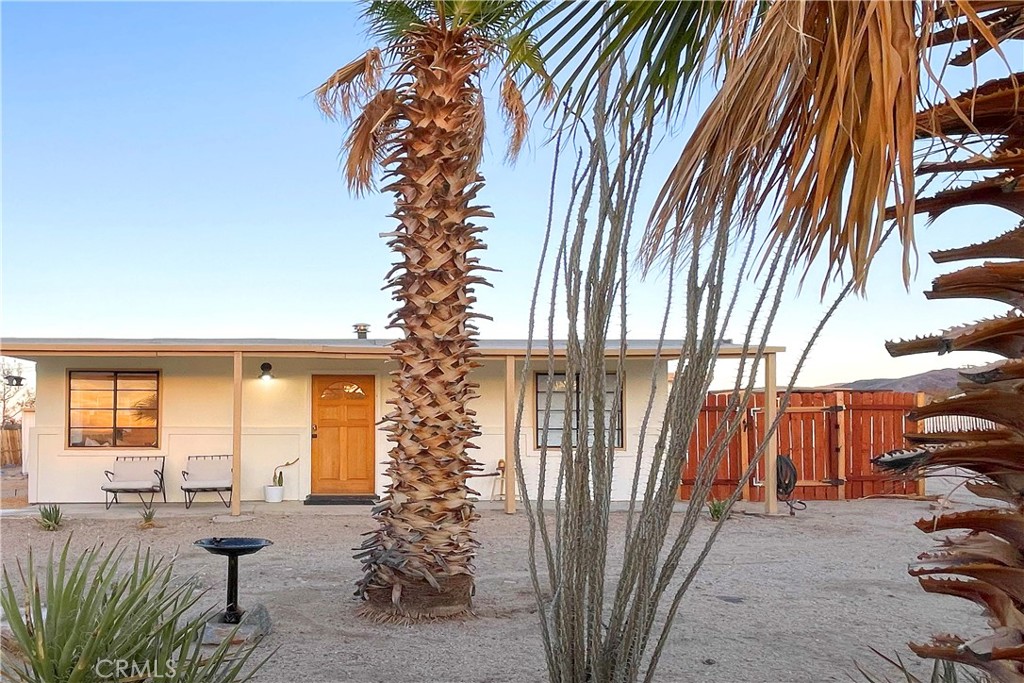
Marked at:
<point>418,108</point>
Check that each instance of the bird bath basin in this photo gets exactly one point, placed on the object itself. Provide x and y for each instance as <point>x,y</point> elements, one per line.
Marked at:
<point>233,548</point>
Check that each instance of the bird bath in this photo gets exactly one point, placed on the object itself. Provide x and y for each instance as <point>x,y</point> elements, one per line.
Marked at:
<point>233,548</point>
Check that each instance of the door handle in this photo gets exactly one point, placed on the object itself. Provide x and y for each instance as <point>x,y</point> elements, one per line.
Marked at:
<point>313,435</point>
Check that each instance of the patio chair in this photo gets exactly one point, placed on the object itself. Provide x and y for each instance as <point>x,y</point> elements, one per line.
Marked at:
<point>137,474</point>
<point>207,474</point>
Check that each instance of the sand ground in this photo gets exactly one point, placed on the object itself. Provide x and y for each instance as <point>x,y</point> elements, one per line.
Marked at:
<point>13,488</point>
<point>779,600</point>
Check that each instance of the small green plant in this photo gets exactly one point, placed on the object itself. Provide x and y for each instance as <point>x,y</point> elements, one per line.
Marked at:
<point>148,519</point>
<point>942,672</point>
<point>108,608</point>
<point>50,517</point>
<point>278,478</point>
<point>716,508</point>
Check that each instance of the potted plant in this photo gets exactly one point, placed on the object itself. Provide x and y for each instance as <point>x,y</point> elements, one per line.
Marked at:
<point>274,491</point>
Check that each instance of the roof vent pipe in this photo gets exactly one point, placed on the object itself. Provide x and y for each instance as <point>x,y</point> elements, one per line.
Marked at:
<point>361,330</point>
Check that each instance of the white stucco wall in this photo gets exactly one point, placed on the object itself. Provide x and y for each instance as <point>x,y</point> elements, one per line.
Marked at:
<point>195,419</point>
<point>636,394</point>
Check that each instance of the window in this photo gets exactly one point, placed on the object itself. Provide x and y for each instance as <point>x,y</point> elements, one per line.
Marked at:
<point>556,416</point>
<point>112,409</point>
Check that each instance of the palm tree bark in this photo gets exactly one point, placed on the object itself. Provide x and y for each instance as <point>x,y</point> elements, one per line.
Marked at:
<point>419,562</point>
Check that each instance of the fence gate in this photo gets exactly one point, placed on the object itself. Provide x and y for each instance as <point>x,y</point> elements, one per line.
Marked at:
<point>830,436</point>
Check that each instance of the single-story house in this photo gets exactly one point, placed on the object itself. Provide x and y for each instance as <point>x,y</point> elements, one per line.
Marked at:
<point>270,401</point>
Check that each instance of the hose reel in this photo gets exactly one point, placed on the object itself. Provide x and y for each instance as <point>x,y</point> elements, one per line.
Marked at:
<point>786,480</point>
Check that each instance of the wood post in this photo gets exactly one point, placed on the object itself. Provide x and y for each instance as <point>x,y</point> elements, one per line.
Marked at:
<point>839,424</point>
<point>510,436</point>
<point>745,430</point>
<point>771,451</point>
<point>236,439</point>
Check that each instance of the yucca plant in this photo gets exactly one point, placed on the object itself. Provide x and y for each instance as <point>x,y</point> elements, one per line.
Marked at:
<point>717,508</point>
<point>942,672</point>
<point>148,519</point>
<point>110,616</point>
<point>50,517</point>
<point>420,104</point>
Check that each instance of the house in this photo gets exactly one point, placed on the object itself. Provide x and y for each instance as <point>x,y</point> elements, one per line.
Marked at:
<point>270,401</point>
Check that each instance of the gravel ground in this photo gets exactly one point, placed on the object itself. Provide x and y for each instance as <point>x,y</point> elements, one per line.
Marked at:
<point>781,599</point>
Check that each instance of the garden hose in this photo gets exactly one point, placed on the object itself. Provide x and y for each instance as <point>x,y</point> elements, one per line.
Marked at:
<point>787,478</point>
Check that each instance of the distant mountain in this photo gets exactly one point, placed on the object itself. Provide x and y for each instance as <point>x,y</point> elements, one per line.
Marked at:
<point>932,382</point>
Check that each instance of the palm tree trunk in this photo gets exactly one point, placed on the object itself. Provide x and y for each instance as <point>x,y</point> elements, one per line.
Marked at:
<point>419,562</point>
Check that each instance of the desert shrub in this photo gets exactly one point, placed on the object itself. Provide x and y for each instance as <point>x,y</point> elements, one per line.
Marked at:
<point>717,508</point>
<point>97,618</point>
<point>50,517</point>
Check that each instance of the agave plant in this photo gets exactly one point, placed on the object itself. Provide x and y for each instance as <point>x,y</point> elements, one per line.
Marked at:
<point>88,620</point>
<point>148,519</point>
<point>50,517</point>
<point>987,557</point>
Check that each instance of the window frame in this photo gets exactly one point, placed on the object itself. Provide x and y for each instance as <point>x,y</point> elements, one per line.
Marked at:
<point>538,399</point>
<point>115,372</point>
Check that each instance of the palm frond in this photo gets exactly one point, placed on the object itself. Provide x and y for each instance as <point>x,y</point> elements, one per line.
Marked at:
<point>517,121</point>
<point>666,45</point>
<point>390,20</point>
<point>816,120</point>
<point>353,83</point>
<point>367,140</point>
<point>494,20</point>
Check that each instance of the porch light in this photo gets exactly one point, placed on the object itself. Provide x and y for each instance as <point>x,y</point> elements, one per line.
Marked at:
<point>265,372</point>
<point>14,380</point>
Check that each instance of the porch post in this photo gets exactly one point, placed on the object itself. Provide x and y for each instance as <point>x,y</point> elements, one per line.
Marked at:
<point>236,438</point>
<point>771,451</point>
<point>510,437</point>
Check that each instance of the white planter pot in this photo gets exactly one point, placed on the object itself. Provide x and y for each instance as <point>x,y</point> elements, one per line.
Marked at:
<point>273,494</point>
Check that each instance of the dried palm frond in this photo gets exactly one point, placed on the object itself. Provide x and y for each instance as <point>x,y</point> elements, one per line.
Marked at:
<point>350,85</point>
<point>516,119</point>
<point>368,139</point>
<point>763,142</point>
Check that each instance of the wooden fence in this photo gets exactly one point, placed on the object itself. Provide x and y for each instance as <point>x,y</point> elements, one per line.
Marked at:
<point>10,447</point>
<point>830,436</point>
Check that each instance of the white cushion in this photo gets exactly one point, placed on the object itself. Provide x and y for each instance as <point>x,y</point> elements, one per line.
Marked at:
<point>130,485</point>
<point>206,484</point>
<point>207,469</point>
<point>137,470</point>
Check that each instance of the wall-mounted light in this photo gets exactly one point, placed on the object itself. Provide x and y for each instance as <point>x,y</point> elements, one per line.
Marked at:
<point>14,380</point>
<point>265,372</point>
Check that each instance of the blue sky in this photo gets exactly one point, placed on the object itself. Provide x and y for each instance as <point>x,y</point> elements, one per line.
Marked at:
<point>165,174</point>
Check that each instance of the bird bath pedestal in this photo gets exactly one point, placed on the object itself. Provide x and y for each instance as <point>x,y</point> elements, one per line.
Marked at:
<point>238,624</point>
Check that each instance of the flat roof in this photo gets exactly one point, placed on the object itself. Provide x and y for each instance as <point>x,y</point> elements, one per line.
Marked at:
<point>29,348</point>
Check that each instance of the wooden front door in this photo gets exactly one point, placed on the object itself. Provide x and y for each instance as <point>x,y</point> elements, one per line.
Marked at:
<point>343,419</point>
